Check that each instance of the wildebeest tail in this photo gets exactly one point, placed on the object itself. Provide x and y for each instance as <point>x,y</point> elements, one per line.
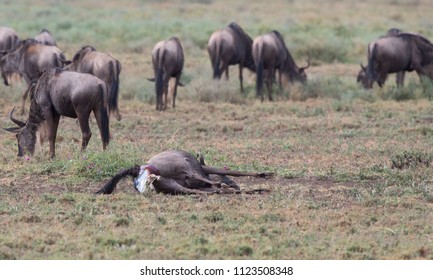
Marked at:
<point>109,186</point>
<point>114,89</point>
<point>371,73</point>
<point>105,121</point>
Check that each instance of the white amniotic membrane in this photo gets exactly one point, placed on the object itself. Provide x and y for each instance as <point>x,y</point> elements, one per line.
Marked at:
<point>144,180</point>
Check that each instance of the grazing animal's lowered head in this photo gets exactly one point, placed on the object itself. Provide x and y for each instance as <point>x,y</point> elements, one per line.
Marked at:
<point>178,172</point>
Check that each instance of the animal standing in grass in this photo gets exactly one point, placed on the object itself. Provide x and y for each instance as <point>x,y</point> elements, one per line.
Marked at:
<point>179,173</point>
<point>363,78</point>
<point>270,54</point>
<point>105,67</point>
<point>168,60</point>
<point>230,46</point>
<point>62,93</point>
<point>30,59</point>
<point>400,53</point>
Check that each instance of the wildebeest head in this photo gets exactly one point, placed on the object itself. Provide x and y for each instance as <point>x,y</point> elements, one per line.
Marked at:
<point>26,139</point>
<point>363,79</point>
<point>300,75</point>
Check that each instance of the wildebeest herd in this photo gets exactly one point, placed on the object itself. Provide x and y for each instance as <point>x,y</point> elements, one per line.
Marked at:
<point>90,83</point>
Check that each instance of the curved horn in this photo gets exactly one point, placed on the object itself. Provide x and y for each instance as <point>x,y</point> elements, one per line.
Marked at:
<point>363,67</point>
<point>18,122</point>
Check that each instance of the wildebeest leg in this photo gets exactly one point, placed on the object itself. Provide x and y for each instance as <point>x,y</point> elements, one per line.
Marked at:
<point>280,83</point>
<point>400,79</point>
<point>52,123</point>
<point>269,80</point>
<point>175,90</point>
<point>170,186</point>
<point>165,83</point>
<point>83,120</point>
<point>240,77</point>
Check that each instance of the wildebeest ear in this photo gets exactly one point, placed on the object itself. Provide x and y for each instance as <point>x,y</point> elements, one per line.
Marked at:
<point>151,79</point>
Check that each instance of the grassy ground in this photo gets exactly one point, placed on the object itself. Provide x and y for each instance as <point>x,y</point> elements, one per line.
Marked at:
<point>353,167</point>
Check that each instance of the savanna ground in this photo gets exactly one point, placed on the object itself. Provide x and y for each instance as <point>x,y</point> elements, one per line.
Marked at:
<point>353,167</point>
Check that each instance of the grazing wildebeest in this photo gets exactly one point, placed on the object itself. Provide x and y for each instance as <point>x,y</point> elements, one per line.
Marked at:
<point>230,46</point>
<point>62,93</point>
<point>30,59</point>
<point>179,172</point>
<point>103,66</point>
<point>270,54</point>
<point>167,59</point>
<point>400,53</point>
<point>363,78</point>
<point>45,37</point>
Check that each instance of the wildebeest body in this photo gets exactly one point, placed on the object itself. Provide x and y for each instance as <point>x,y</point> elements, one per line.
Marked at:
<point>103,66</point>
<point>271,54</point>
<point>230,46</point>
<point>62,93</point>
<point>403,52</point>
<point>179,172</point>
<point>30,59</point>
<point>168,60</point>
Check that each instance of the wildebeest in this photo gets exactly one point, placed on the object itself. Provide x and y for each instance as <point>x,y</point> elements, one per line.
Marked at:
<point>403,52</point>
<point>230,46</point>
<point>62,93</point>
<point>45,37</point>
<point>178,172</point>
<point>363,78</point>
<point>167,59</point>
<point>103,66</point>
<point>30,59</point>
<point>270,54</point>
<point>8,40</point>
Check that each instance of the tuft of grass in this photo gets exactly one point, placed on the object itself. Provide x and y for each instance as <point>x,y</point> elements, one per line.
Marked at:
<point>411,159</point>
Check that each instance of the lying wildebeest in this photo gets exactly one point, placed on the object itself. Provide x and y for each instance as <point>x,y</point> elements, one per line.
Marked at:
<point>363,78</point>
<point>62,93</point>
<point>30,59</point>
<point>167,59</point>
<point>230,46</point>
<point>103,66</point>
<point>270,54</point>
<point>400,53</point>
<point>179,172</point>
<point>45,37</point>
